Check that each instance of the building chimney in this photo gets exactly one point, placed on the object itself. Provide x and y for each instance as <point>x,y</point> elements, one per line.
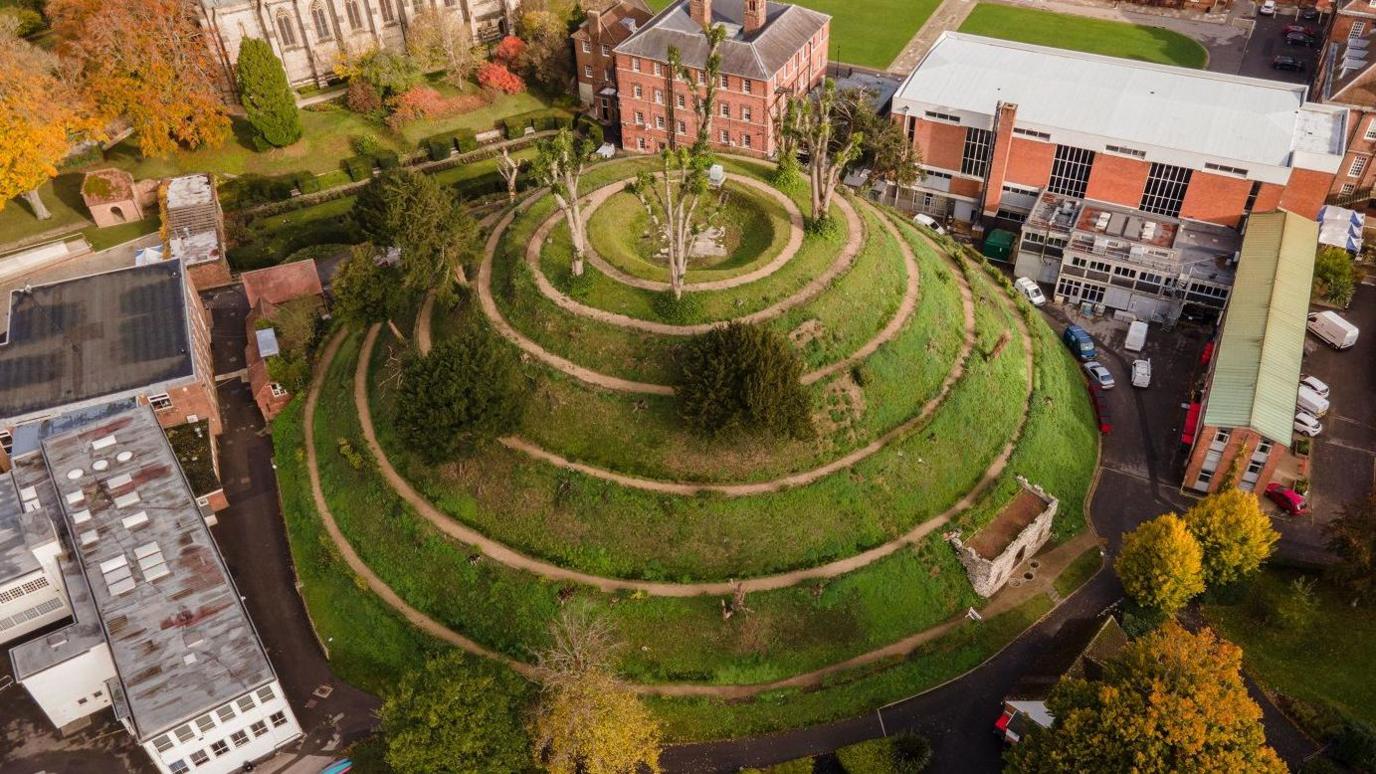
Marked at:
<point>754,15</point>
<point>701,11</point>
<point>594,19</point>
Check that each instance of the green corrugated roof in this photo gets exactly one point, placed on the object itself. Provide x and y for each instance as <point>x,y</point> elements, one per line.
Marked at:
<point>1257,362</point>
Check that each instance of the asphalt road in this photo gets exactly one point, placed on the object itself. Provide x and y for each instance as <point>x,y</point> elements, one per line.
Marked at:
<point>1141,465</point>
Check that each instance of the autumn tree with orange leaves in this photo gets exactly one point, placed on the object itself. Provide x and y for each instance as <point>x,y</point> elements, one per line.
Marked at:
<point>1173,701</point>
<point>40,113</point>
<point>146,61</point>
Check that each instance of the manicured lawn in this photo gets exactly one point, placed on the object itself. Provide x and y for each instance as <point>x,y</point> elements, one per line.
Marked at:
<point>1079,33</point>
<point>755,230</point>
<point>104,238</point>
<point>869,33</point>
<point>62,196</point>
<point>1327,661</point>
<point>1079,571</point>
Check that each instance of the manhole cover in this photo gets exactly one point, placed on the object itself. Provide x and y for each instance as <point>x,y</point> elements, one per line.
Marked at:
<point>1028,575</point>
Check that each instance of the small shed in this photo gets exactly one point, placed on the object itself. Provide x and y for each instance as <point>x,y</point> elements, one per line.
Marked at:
<point>111,197</point>
<point>1017,533</point>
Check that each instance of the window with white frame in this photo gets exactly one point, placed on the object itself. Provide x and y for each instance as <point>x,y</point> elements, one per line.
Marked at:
<point>6,441</point>
<point>278,719</point>
<point>1165,190</point>
<point>226,713</point>
<point>163,743</point>
<point>640,143</point>
<point>1358,27</point>
<point>659,122</point>
<point>745,85</point>
<point>259,728</point>
<point>745,140</point>
<point>680,101</point>
<point>1370,130</point>
<point>658,71</point>
<point>725,82</point>
<point>635,63</point>
<point>606,51</point>
<point>1348,189</point>
<point>184,733</point>
<point>200,758</point>
<point>160,402</point>
<point>745,114</point>
<point>659,96</point>
<point>321,21</point>
<point>285,30</point>
<point>638,92</point>
<point>1358,166</point>
<point>1070,171</point>
<point>265,694</point>
<point>682,128</point>
<point>725,137</point>
<point>355,16</point>
<point>725,110</point>
<point>587,71</point>
<point>239,738</point>
<point>219,748</point>
<point>587,47</point>
<point>245,702</point>
<point>639,118</point>
<point>178,767</point>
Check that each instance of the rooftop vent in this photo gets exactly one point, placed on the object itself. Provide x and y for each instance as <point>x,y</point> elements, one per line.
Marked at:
<point>115,482</point>
<point>103,442</point>
<point>137,520</point>
<point>81,517</point>
<point>75,473</point>
<point>76,498</point>
<point>100,465</point>
<point>89,537</point>
<point>124,456</point>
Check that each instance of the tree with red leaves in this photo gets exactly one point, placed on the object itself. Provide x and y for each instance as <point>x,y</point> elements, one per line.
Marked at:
<point>494,75</point>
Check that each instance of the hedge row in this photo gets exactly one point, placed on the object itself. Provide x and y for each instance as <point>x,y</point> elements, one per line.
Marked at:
<point>361,167</point>
<point>547,119</point>
<point>442,146</point>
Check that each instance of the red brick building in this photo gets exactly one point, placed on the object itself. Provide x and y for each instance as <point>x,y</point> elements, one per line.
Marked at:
<point>593,44</point>
<point>268,291</point>
<point>1129,182</point>
<point>1346,78</point>
<point>771,50</point>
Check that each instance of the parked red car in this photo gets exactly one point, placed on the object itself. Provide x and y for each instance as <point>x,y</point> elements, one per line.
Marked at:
<point>1289,500</point>
<point>1101,412</point>
<point>1303,29</point>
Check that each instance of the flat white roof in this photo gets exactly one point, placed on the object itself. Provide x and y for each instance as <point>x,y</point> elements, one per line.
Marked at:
<point>1224,116</point>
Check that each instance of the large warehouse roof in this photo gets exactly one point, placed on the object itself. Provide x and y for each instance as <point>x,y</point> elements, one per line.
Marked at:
<point>1257,368</point>
<point>1225,116</point>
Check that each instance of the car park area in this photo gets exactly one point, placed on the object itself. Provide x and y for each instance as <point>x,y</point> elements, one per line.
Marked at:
<point>1277,48</point>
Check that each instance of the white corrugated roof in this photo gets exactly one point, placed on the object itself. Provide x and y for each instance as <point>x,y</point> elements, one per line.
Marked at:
<point>1226,116</point>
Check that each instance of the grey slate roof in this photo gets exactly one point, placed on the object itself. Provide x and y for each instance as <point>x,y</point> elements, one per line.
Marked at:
<point>94,336</point>
<point>787,29</point>
<point>181,641</point>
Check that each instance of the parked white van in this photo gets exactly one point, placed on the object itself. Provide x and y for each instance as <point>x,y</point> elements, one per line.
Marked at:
<point>1030,289</point>
<point>1333,329</point>
<point>1309,401</point>
<point>1137,337</point>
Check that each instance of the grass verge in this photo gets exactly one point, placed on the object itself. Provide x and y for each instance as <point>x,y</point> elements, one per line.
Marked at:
<point>1079,33</point>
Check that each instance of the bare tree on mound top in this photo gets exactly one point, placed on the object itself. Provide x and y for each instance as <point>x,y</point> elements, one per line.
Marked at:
<point>813,126</point>
<point>681,185</point>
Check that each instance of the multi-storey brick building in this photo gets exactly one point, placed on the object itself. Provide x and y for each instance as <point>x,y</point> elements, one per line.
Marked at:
<point>310,35</point>
<point>593,44</point>
<point>771,50</point>
<point>1346,78</point>
<point>1127,180</point>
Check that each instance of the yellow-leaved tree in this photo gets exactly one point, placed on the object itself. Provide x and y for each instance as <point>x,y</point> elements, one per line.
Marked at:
<point>1233,533</point>
<point>1161,565</point>
<point>587,721</point>
<point>40,115</point>
<point>1173,701</point>
<point>146,61</point>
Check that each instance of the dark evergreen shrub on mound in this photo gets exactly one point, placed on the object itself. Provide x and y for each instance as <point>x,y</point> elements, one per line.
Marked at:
<point>742,377</point>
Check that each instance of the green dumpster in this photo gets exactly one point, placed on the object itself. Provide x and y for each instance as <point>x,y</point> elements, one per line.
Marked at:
<point>998,246</point>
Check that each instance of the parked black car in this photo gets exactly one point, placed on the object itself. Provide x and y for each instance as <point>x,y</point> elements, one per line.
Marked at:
<point>1288,63</point>
<point>1309,12</point>
<point>1299,39</point>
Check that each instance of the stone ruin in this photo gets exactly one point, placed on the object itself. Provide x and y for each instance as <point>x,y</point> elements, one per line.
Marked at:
<point>1016,534</point>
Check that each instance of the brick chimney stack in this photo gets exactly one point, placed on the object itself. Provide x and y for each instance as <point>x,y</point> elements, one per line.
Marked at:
<point>701,11</point>
<point>754,16</point>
